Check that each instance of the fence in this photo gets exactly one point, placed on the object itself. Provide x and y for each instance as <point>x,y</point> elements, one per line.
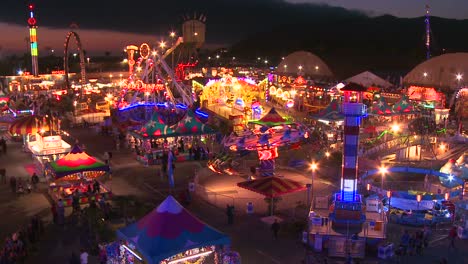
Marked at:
<point>291,205</point>
<point>393,145</point>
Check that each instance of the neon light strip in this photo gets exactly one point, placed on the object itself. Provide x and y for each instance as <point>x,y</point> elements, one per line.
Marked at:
<point>198,112</point>
<point>180,106</point>
<point>132,252</point>
<point>191,257</point>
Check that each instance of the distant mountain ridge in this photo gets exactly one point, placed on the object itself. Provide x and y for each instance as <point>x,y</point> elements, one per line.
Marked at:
<point>356,43</point>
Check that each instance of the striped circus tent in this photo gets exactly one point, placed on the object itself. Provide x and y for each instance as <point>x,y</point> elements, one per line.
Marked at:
<point>273,186</point>
<point>28,125</point>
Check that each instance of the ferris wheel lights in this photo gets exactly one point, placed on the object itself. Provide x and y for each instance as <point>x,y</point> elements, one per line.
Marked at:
<point>162,44</point>
<point>154,53</point>
<point>138,68</point>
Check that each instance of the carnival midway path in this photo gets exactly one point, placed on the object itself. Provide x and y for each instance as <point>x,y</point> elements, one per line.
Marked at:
<point>250,236</point>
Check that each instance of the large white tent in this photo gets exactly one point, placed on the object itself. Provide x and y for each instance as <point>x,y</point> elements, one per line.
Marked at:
<point>368,79</point>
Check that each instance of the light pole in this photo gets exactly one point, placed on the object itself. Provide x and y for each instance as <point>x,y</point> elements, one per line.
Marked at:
<point>382,170</point>
<point>313,166</point>
<point>418,198</point>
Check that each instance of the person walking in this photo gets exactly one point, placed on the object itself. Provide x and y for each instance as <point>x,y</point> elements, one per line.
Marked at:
<point>404,242</point>
<point>84,257</point>
<point>275,227</point>
<point>35,180</point>
<point>230,214</point>
<point>106,157</point>
<point>452,236</point>
<point>3,176</point>
<point>13,184</point>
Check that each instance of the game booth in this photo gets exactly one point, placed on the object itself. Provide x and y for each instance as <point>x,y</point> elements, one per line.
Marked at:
<point>156,136</point>
<point>22,128</point>
<point>170,234</point>
<point>75,174</point>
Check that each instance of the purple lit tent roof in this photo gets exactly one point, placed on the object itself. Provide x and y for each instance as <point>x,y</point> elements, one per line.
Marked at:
<point>168,230</point>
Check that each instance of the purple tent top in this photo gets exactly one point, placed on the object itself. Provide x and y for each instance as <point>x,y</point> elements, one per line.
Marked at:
<point>168,230</point>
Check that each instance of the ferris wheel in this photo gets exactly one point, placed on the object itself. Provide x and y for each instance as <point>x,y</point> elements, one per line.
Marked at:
<point>152,76</point>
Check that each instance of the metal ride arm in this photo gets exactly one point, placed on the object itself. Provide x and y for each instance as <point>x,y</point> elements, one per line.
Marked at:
<point>169,51</point>
<point>186,96</point>
<point>168,91</point>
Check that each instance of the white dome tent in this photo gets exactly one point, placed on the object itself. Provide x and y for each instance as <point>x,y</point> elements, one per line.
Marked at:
<point>445,71</point>
<point>304,63</point>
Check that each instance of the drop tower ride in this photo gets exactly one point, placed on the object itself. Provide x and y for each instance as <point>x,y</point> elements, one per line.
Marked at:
<point>33,41</point>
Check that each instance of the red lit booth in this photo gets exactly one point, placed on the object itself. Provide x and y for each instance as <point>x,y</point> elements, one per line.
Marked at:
<point>73,174</point>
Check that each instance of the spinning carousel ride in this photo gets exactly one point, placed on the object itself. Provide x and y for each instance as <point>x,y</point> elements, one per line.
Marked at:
<point>267,135</point>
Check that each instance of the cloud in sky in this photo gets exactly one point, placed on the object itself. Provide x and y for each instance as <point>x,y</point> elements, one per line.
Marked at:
<point>457,9</point>
<point>94,41</point>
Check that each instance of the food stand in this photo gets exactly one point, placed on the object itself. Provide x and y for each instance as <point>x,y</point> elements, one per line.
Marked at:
<point>46,147</point>
<point>75,174</point>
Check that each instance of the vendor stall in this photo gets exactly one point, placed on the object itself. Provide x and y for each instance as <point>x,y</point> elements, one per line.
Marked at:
<point>76,174</point>
<point>46,147</point>
<point>29,125</point>
<point>170,234</point>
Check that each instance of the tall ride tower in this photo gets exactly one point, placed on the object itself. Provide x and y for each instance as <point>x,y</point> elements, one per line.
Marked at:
<point>348,212</point>
<point>428,33</point>
<point>33,40</point>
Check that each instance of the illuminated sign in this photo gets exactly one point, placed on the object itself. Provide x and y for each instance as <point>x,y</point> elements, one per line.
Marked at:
<point>52,142</point>
<point>58,72</point>
<point>139,85</point>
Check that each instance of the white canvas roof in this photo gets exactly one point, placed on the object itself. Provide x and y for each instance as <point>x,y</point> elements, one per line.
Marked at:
<point>368,79</point>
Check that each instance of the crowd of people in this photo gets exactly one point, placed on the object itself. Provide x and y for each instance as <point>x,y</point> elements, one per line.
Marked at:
<point>17,246</point>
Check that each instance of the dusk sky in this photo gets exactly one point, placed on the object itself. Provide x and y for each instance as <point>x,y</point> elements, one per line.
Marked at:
<point>111,25</point>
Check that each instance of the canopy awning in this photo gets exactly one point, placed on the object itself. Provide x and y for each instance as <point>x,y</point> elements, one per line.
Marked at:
<point>168,230</point>
<point>75,161</point>
<point>272,186</point>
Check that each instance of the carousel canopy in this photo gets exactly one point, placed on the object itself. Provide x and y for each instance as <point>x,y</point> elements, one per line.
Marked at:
<point>331,113</point>
<point>272,186</point>
<point>168,230</point>
<point>380,108</point>
<point>271,119</point>
<point>191,125</point>
<point>28,125</point>
<point>74,162</point>
<point>156,128</point>
<point>403,106</point>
